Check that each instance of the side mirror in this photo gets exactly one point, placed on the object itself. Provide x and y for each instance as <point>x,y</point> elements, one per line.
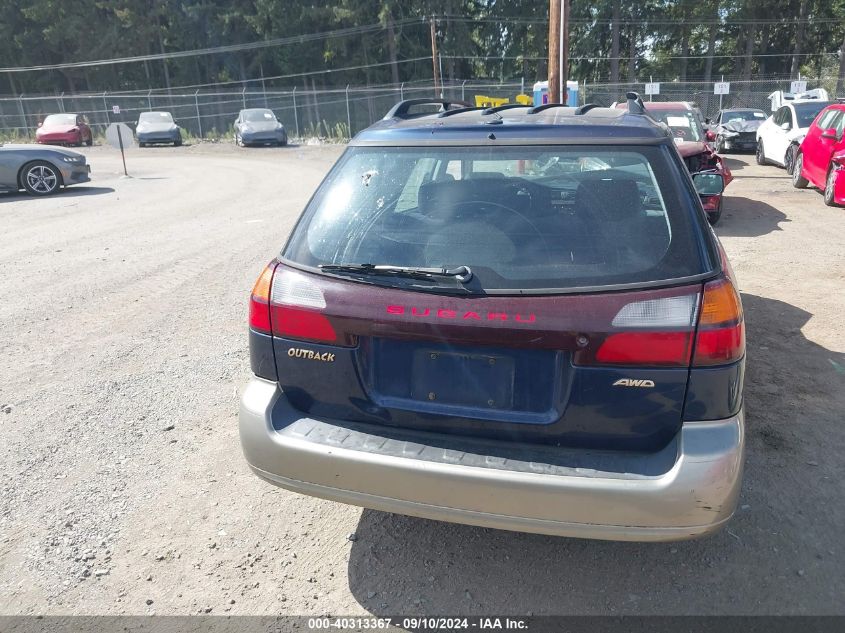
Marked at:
<point>830,133</point>
<point>707,120</point>
<point>708,183</point>
<point>785,126</point>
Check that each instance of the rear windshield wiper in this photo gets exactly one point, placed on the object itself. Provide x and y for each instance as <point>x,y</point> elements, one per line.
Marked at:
<point>462,273</point>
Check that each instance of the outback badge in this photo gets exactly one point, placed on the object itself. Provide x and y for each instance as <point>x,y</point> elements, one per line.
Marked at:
<point>295,352</point>
<point>633,382</point>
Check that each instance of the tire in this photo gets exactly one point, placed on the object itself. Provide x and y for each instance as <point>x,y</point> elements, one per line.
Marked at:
<point>140,144</point>
<point>713,218</point>
<point>829,184</point>
<point>789,159</point>
<point>798,180</point>
<point>177,143</point>
<point>90,141</point>
<point>40,178</point>
<point>283,142</point>
<point>760,155</point>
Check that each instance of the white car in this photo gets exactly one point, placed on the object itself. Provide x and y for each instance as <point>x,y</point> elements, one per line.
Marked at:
<point>780,135</point>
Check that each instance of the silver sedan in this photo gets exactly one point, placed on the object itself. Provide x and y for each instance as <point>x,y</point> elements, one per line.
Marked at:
<point>40,170</point>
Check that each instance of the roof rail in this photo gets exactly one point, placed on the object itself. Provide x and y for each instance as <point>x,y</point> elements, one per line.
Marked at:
<point>401,109</point>
<point>446,113</point>
<point>546,106</point>
<point>506,106</point>
<point>586,108</point>
<point>635,104</point>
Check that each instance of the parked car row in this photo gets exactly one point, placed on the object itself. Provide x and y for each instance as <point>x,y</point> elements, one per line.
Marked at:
<point>254,126</point>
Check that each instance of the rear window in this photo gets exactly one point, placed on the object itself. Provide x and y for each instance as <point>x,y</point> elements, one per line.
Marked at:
<point>684,124</point>
<point>520,218</point>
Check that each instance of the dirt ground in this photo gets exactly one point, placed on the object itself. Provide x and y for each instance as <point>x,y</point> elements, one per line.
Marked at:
<point>122,485</point>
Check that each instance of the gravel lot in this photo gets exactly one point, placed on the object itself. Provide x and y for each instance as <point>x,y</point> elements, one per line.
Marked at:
<point>122,485</point>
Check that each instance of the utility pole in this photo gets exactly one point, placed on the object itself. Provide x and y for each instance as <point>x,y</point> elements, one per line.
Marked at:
<point>564,49</point>
<point>554,50</point>
<point>435,60</point>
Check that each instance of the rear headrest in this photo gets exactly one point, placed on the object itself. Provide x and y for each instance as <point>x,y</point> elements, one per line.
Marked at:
<point>440,195</point>
<point>609,200</point>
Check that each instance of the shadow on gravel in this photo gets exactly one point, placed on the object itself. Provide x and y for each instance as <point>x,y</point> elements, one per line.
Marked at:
<point>786,532</point>
<point>74,191</point>
<point>744,217</point>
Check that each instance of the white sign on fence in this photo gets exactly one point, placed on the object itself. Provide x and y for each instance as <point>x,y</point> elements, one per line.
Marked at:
<point>722,88</point>
<point>799,85</point>
<point>652,88</point>
<point>115,109</point>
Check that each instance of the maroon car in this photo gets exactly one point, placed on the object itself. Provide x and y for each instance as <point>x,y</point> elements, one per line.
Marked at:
<point>64,129</point>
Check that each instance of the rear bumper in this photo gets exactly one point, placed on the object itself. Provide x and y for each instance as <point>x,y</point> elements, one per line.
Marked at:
<point>624,497</point>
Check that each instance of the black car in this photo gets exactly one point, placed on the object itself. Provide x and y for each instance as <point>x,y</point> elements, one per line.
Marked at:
<point>514,317</point>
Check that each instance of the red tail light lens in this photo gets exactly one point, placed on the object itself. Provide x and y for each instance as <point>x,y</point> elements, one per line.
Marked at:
<point>646,348</point>
<point>721,327</point>
<point>259,301</point>
<point>297,323</point>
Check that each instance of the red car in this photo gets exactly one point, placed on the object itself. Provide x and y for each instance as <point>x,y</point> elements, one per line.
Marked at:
<point>64,129</point>
<point>687,128</point>
<point>821,158</point>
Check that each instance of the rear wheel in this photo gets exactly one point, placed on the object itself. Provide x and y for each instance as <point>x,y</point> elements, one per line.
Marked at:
<point>40,178</point>
<point>829,184</point>
<point>798,180</point>
<point>177,142</point>
<point>760,154</point>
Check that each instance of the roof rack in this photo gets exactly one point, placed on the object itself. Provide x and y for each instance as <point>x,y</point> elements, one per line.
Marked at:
<point>446,113</point>
<point>546,106</point>
<point>506,106</point>
<point>401,109</point>
<point>635,104</point>
<point>586,108</point>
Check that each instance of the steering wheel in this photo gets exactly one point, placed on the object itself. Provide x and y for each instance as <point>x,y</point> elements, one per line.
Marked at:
<point>488,204</point>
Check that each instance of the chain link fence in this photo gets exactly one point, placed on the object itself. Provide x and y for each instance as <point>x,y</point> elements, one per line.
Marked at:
<point>335,113</point>
<point>340,113</point>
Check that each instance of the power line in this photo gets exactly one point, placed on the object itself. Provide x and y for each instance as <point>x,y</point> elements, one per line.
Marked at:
<point>287,76</point>
<point>641,22</point>
<point>231,48</point>
<point>585,58</point>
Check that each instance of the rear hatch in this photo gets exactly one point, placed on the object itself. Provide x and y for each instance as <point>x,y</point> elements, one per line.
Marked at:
<point>540,295</point>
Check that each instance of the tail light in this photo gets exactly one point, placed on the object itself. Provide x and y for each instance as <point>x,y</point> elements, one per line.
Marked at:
<point>696,329</point>
<point>656,332</point>
<point>286,303</point>
<point>721,328</point>
<point>259,301</point>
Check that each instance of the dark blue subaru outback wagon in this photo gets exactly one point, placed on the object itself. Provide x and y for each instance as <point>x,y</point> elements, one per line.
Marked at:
<point>510,317</point>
